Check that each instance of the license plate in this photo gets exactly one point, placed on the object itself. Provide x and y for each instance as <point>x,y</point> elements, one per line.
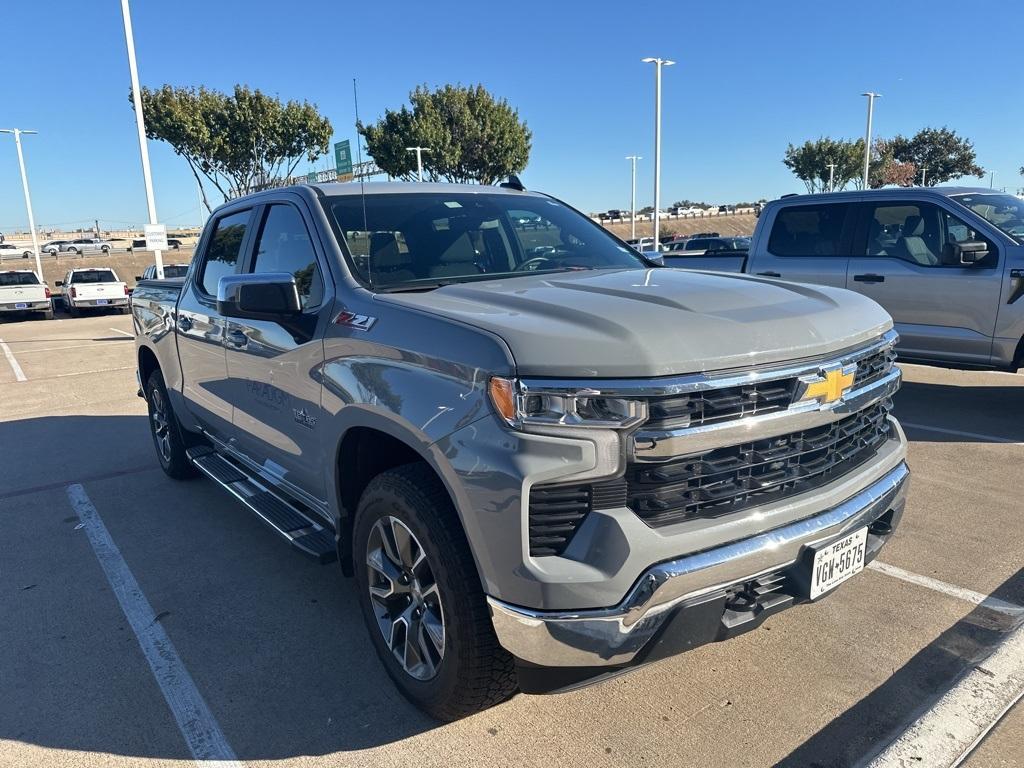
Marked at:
<point>100,302</point>
<point>838,561</point>
<point>21,305</point>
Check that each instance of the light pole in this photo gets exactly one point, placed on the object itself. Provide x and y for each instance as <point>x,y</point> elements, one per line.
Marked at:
<point>140,124</point>
<point>867,136</point>
<point>831,175</point>
<point>991,179</point>
<point>922,175</point>
<point>419,159</point>
<point>658,64</point>
<point>632,197</point>
<point>28,198</point>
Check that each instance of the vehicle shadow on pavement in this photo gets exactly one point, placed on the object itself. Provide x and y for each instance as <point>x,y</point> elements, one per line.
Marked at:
<point>869,725</point>
<point>992,410</point>
<point>275,643</point>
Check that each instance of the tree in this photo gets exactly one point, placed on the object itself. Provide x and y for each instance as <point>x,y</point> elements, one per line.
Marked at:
<point>941,151</point>
<point>472,136</point>
<point>810,162</point>
<point>240,142</point>
<point>886,170</point>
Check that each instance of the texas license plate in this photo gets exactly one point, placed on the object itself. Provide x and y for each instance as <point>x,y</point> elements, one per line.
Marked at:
<point>21,305</point>
<point>838,561</point>
<point>100,302</point>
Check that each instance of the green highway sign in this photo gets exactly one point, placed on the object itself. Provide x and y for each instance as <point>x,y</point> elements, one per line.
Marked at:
<point>342,158</point>
<point>311,177</point>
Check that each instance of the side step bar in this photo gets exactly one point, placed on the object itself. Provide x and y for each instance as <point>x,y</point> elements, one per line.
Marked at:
<point>290,522</point>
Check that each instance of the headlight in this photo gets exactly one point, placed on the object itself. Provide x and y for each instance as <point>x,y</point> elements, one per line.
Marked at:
<point>520,406</point>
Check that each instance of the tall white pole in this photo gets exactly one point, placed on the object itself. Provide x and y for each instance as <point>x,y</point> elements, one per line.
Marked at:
<point>658,64</point>
<point>632,197</point>
<point>991,179</point>
<point>28,198</point>
<point>419,159</point>
<point>140,124</point>
<point>922,176</point>
<point>202,208</point>
<point>867,136</point>
<point>831,175</point>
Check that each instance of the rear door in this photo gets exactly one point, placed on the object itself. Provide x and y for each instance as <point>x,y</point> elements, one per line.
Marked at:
<point>274,366</point>
<point>807,243</point>
<point>200,327</point>
<point>943,310</point>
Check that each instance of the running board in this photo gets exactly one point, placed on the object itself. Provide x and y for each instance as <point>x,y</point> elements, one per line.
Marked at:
<point>290,522</point>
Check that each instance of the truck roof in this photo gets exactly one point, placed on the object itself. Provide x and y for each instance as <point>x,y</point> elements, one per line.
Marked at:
<point>853,194</point>
<point>336,189</point>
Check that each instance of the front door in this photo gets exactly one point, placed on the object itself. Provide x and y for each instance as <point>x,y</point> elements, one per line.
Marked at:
<point>944,310</point>
<point>274,366</point>
<point>201,329</point>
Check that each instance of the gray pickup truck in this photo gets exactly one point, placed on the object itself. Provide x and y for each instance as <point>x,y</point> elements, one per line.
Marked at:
<point>544,459</point>
<point>946,262</point>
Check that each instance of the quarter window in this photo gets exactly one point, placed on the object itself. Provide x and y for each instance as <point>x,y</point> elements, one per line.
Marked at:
<point>808,230</point>
<point>223,251</point>
<point>284,246</point>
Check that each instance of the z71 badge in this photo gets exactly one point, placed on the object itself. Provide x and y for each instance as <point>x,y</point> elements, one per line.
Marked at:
<point>352,320</point>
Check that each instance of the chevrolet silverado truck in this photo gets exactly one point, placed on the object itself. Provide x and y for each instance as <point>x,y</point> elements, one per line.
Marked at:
<point>543,459</point>
<point>92,289</point>
<point>22,291</point>
<point>947,263</point>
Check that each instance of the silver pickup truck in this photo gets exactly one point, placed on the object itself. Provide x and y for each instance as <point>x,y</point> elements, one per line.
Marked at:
<point>946,262</point>
<point>544,459</point>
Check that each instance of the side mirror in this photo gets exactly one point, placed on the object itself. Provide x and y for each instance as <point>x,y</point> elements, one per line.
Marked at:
<point>263,296</point>
<point>969,251</point>
<point>655,257</point>
<point>59,283</point>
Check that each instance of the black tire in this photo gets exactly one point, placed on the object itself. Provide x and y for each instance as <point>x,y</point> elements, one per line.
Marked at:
<point>474,672</point>
<point>105,250</point>
<point>163,425</point>
<point>73,311</point>
<point>73,251</point>
<point>48,314</point>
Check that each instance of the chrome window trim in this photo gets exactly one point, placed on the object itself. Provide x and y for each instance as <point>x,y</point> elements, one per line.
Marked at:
<point>699,382</point>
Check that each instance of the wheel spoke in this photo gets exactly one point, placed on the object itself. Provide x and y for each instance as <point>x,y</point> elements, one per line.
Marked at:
<point>405,543</point>
<point>433,628</point>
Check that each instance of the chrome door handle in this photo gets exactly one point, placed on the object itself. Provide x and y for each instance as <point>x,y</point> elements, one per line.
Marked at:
<point>235,338</point>
<point>869,278</point>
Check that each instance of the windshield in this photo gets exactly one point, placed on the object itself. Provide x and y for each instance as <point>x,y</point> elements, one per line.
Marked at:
<point>422,240</point>
<point>1001,210</point>
<point>18,278</point>
<point>94,276</point>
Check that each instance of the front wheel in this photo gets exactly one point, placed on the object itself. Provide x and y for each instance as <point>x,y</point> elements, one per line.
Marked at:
<point>170,448</point>
<point>105,250</point>
<point>421,597</point>
<point>73,251</point>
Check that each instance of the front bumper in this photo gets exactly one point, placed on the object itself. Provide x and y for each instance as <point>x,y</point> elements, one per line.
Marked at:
<point>691,601</point>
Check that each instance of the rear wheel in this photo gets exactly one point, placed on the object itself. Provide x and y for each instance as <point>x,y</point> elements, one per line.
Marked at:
<point>71,308</point>
<point>170,448</point>
<point>421,597</point>
<point>48,314</point>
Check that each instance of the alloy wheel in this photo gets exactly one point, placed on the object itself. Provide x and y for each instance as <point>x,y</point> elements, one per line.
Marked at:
<point>160,422</point>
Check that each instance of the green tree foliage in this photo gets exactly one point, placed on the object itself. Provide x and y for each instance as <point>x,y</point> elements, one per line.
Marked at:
<point>240,142</point>
<point>472,136</point>
<point>885,170</point>
<point>946,155</point>
<point>809,162</point>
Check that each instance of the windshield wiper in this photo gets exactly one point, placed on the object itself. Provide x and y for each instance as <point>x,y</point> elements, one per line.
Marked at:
<point>416,288</point>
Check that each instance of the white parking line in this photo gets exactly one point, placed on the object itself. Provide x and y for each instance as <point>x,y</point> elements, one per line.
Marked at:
<point>961,433</point>
<point>967,595</point>
<point>118,330</point>
<point>196,722</point>
<point>19,374</point>
<point>947,733</point>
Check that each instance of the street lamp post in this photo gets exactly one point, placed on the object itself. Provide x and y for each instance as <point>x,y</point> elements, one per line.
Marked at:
<point>991,179</point>
<point>658,64</point>
<point>28,198</point>
<point>632,197</point>
<point>419,159</point>
<point>867,136</point>
<point>831,175</point>
<point>923,170</point>
<point>140,125</point>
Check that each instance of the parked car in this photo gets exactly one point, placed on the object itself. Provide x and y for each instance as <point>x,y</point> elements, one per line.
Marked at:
<point>21,290</point>
<point>139,244</point>
<point>95,288</point>
<point>698,246</point>
<point>502,444</point>
<point>946,262</point>
<point>726,208</point>
<point>170,271</point>
<point>53,246</point>
<point>11,251</point>
<point>645,244</point>
<point>86,245</point>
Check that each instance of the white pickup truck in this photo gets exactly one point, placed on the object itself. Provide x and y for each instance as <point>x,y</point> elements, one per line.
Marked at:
<point>22,291</point>
<point>97,288</point>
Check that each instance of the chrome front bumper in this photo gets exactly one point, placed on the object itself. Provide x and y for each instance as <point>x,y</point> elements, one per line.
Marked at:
<point>614,636</point>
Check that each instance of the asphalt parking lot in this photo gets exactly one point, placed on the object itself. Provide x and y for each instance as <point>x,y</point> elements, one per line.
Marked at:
<point>276,648</point>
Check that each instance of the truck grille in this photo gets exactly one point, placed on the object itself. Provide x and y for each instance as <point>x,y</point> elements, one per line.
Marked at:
<point>731,479</point>
<point>696,409</point>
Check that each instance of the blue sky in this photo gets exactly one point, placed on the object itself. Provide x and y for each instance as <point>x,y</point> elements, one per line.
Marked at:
<point>750,78</point>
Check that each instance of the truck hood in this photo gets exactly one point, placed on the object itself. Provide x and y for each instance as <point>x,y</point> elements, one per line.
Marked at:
<point>654,322</point>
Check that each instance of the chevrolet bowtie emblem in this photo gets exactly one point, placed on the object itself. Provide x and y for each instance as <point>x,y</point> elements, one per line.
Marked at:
<point>828,385</point>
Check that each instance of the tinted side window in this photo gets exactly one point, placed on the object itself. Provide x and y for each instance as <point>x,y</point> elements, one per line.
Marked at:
<point>808,230</point>
<point>921,233</point>
<point>223,251</point>
<point>284,246</point>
